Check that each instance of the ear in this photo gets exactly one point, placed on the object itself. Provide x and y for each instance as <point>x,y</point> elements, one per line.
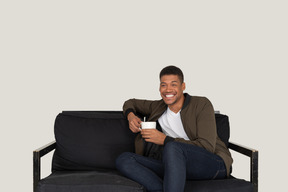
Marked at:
<point>183,86</point>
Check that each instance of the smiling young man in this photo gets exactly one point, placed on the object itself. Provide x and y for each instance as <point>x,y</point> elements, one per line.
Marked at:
<point>185,144</point>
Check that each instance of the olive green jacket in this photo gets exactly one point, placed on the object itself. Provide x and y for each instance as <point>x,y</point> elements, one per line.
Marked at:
<point>198,118</point>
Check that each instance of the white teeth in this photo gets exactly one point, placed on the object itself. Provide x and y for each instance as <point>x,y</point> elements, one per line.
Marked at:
<point>169,95</point>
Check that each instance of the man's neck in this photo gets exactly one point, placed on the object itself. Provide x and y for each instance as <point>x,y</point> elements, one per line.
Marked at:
<point>176,107</point>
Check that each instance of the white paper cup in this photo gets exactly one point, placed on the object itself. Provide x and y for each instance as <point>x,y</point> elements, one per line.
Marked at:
<point>148,125</point>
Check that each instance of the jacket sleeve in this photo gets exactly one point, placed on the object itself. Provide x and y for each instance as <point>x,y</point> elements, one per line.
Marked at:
<point>137,106</point>
<point>206,133</point>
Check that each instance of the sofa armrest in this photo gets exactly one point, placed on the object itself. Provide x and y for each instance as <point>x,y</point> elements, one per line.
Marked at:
<point>37,154</point>
<point>253,154</point>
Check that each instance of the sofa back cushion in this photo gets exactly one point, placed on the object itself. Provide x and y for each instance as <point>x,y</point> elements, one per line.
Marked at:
<point>90,140</point>
<point>223,128</point>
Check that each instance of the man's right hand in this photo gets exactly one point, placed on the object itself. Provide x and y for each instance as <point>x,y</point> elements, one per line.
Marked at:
<point>134,122</point>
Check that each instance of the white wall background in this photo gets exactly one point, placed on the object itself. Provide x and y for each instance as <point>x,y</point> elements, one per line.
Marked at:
<point>93,55</point>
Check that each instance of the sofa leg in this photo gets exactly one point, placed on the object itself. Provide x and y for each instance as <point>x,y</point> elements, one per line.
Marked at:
<point>36,170</point>
<point>254,170</point>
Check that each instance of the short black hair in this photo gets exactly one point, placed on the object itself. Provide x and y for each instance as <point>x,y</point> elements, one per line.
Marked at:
<point>172,70</point>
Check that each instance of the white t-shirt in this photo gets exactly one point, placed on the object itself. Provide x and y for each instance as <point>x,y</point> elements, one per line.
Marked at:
<point>172,125</point>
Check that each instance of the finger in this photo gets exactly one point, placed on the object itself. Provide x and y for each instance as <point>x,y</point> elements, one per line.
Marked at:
<point>148,140</point>
<point>146,135</point>
<point>136,122</point>
<point>147,131</point>
<point>135,125</point>
<point>134,128</point>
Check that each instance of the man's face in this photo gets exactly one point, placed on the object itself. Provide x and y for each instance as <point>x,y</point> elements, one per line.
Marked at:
<point>171,89</point>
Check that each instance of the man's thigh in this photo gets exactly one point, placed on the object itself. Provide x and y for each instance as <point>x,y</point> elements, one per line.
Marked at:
<point>200,163</point>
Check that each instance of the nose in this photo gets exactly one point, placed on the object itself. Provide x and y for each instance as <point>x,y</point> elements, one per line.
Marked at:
<point>168,88</point>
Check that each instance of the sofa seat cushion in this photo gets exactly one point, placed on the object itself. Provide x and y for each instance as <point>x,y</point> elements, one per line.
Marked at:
<point>221,185</point>
<point>88,181</point>
<point>112,181</point>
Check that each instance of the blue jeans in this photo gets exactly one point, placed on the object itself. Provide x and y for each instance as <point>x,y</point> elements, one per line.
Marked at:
<point>180,161</point>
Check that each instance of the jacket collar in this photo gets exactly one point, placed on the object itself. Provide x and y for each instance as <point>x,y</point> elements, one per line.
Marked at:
<point>186,101</point>
<point>185,104</point>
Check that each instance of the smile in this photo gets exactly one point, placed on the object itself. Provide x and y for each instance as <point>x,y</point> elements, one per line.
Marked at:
<point>169,96</point>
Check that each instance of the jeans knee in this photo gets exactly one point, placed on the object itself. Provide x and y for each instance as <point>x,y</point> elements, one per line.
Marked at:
<point>123,161</point>
<point>172,149</point>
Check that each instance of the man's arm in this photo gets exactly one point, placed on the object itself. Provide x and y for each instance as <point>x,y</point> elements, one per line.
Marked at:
<point>137,106</point>
<point>206,128</point>
<point>133,106</point>
<point>144,107</point>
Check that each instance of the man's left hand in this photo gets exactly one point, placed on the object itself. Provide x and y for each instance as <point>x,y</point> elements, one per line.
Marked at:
<point>153,136</point>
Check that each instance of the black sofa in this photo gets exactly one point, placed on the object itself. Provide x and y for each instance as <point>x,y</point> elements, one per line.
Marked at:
<point>88,142</point>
